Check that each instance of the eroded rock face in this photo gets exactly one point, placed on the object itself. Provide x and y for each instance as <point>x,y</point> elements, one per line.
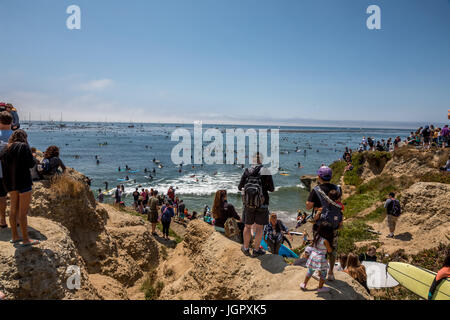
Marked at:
<point>425,219</point>
<point>427,204</point>
<point>40,272</point>
<point>74,230</point>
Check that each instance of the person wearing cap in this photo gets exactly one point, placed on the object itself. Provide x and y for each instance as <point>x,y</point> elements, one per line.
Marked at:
<point>326,209</point>
<point>13,111</point>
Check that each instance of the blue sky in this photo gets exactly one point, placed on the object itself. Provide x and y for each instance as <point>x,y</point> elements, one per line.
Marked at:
<point>242,61</point>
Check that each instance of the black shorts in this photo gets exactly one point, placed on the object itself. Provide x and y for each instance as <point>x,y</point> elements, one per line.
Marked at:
<point>144,202</point>
<point>259,216</point>
<point>3,192</point>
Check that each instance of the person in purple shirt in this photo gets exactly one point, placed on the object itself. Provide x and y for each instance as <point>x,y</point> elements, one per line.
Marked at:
<point>445,135</point>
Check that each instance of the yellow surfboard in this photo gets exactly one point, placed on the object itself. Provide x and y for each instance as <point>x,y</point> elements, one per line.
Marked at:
<point>418,280</point>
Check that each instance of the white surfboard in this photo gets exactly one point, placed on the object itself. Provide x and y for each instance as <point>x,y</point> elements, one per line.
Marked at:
<point>377,276</point>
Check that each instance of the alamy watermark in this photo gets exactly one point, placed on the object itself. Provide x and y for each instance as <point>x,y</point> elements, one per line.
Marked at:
<point>219,151</point>
<point>73,22</point>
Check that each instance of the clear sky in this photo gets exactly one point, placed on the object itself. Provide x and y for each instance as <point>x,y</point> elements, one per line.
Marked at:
<point>275,61</point>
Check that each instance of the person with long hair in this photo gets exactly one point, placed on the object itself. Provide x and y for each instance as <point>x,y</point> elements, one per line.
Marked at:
<point>356,270</point>
<point>322,244</point>
<point>52,162</point>
<point>17,159</point>
<point>222,210</point>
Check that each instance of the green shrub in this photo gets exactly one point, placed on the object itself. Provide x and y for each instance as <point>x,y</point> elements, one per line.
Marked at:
<point>351,233</point>
<point>358,202</point>
<point>151,289</point>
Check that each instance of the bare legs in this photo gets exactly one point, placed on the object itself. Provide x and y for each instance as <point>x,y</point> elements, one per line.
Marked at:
<point>20,204</point>
<point>248,235</point>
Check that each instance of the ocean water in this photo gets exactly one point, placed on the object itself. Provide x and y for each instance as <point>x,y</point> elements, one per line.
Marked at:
<point>136,145</point>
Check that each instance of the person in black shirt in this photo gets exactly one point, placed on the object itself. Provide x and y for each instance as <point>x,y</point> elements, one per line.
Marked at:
<point>136,199</point>
<point>222,210</point>
<point>258,216</point>
<point>314,202</point>
<point>17,159</point>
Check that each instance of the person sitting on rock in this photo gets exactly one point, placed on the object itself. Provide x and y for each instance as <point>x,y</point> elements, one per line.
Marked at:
<point>274,233</point>
<point>447,166</point>
<point>356,270</point>
<point>222,211</point>
<point>52,162</point>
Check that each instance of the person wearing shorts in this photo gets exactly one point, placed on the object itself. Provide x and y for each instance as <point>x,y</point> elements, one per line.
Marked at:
<point>256,216</point>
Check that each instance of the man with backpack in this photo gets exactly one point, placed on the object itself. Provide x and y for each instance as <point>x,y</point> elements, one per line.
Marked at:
<point>393,211</point>
<point>326,208</point>
<point>256,183</point>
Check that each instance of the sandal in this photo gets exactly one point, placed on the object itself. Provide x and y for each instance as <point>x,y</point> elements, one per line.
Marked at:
<point>31,243</point>
<point>4,226</point>
<point>15,241</point>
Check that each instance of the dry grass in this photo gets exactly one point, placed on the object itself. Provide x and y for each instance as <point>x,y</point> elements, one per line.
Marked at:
<point>65,185</point>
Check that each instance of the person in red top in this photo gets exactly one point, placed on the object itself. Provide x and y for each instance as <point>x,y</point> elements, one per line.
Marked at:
<point>442,274</point>
<point>171,193</point>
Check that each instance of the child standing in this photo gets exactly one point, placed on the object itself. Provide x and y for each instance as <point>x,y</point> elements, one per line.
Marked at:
<point>318,258</point>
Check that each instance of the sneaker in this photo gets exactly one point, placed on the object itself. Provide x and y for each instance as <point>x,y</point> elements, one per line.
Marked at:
<point>259,252</point>
<point>330,277</point>
<point>323,289</point>
<point>303,286</point>
<point>390,235</point>
<point>245,251</point>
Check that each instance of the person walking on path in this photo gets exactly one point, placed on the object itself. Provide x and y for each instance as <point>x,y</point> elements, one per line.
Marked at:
<point>327,210</point>
<point>393,211</point>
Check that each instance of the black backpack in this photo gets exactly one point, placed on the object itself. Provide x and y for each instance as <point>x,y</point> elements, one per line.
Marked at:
<point>253,194</point>
<point>396,210</point>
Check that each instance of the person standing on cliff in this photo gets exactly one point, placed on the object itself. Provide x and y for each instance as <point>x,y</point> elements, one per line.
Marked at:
<point>5,132</point>
<point>393,211</point>
<point>326,210</point>
<point>256,183</point>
